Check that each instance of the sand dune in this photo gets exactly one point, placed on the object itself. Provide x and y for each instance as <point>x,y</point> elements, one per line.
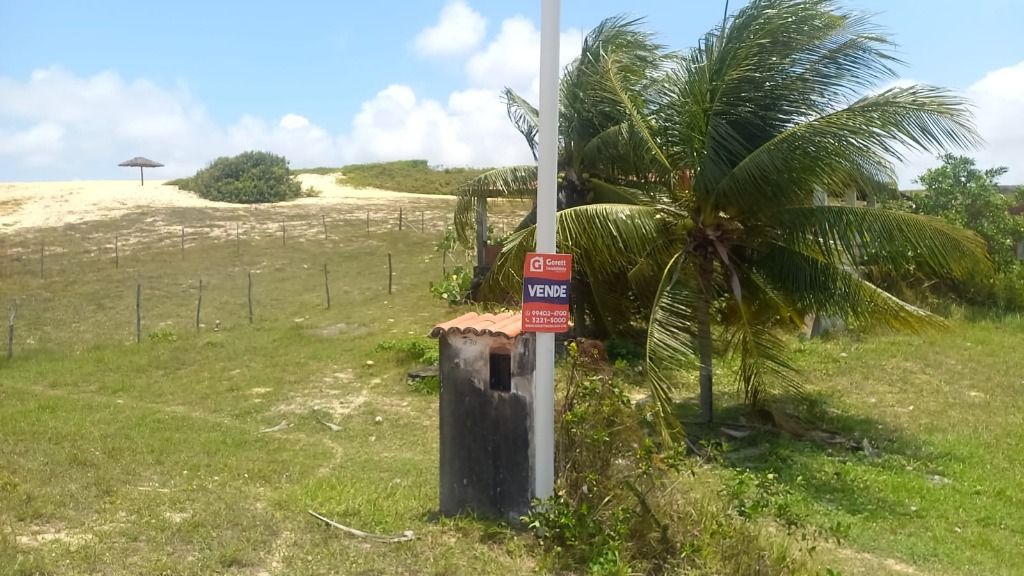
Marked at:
<point>34,204</point>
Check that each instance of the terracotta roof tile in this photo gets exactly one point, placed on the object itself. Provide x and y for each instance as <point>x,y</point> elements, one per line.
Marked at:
<point>507,324</point>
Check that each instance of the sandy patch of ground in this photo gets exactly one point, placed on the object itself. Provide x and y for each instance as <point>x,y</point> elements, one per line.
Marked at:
<point>329,401</point>
<point>39,536</point>
<point>39,204</point>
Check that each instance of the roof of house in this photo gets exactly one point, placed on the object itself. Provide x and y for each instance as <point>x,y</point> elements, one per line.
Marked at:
<point>507,324</point>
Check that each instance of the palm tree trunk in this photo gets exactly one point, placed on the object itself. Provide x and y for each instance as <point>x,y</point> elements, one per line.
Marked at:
<point>705,345</point>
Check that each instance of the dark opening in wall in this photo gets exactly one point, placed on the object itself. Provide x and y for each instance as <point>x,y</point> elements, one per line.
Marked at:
<point>501,371</point>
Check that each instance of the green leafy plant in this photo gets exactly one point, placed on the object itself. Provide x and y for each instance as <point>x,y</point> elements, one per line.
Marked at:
<point>624,504</point>
<point>454,286</point>
<point>248,178</point>
<point>162,335</point>
<point>430,385</point>
<point>418,350</point>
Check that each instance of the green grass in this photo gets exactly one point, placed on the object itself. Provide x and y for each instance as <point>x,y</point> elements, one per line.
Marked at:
<point>120,458</point>
<point>117,458</point>
<point>944,415</point>
<point>413,176</point>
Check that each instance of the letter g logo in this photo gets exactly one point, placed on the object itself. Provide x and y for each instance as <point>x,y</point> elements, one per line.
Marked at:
<point>537,264</point>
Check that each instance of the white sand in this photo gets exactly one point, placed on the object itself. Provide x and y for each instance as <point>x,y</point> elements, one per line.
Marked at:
<point>34,204</point>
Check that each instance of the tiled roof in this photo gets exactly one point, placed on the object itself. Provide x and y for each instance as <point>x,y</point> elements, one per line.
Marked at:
<point>508,324</point>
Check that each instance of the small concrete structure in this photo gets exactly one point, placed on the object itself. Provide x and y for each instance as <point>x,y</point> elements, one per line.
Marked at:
<point>486,406</point>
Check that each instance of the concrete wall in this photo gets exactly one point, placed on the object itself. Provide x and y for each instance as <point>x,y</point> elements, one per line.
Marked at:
<point>486,435</point>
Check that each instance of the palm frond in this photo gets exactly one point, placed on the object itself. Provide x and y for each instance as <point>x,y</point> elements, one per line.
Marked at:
<point>802,284</point>
<point>671,333</point>
<point>846,235</point>
<point>524,117</point>
<point>509,182</point>
<point>606,241</point>
<point>632,102</point>
<point>852,146</point>
<point>764,364</point>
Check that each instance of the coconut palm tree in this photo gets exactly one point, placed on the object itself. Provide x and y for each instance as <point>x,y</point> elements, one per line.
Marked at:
<point>724,241</point>
<point>593,166</point>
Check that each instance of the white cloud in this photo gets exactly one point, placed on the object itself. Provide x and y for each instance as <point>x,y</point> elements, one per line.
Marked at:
<point>513,57</point>
<point>36,146</point>
<point>999,97</point>
<point>293,122</point>
<point>459,30</point>
<point>56,124</point>
<point>998,102</point>
<point>471,129</point>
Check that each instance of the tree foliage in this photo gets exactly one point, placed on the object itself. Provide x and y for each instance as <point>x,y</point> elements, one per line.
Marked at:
<point>248,178</point>
<point>718,153</point>
<point>963,194</point>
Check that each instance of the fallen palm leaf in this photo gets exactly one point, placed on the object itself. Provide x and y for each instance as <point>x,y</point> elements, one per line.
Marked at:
<point>332,427</point>
<point>284,424</point>
<point>384,538</point>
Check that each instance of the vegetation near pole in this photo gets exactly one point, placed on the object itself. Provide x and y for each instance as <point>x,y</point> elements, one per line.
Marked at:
<point>662,206</point>
<point>199,303</point>
<point>249,294</point>
<point>389,273</point>
<point>138,313</point>
<point>10,330</point>
<point>327,288</point>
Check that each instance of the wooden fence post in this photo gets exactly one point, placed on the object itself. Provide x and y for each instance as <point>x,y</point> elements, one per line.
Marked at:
<point>389,273</point>
<point>138,313</point>
<point>399,218</point>
<point>10,330</point>
<point>250,297</point>
<point>327,288</point>
<point>199,303</point>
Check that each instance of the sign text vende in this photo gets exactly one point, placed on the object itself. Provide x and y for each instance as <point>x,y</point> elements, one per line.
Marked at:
<point>546,283</point>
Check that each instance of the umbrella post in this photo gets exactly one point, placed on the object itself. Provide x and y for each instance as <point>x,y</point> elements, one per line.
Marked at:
<point>142,179</point>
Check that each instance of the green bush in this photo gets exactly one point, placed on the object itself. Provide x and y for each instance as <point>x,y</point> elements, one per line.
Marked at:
<point>417,350</point>
<point>249,178</point>
<point>626,504</point>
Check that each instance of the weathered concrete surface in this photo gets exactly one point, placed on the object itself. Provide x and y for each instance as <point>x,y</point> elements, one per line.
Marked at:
<point>486,449</point>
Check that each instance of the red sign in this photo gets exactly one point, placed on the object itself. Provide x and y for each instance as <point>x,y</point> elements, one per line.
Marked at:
<point>546,292</point>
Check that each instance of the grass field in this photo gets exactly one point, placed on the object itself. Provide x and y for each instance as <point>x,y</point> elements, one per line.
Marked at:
<point>118,458</point>
<point>413,176</point>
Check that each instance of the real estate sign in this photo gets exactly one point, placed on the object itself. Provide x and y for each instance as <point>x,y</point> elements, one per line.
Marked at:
<point>546,292</point>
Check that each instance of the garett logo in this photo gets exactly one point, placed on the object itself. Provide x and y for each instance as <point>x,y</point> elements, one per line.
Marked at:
<point>537,264</point>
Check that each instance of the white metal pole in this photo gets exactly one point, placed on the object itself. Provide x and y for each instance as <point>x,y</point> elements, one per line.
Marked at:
<point>547,185</point>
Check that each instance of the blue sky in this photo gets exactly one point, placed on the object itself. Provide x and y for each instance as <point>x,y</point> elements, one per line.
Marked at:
<point>84,85</point>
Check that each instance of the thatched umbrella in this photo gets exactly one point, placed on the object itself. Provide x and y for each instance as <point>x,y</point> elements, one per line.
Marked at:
<point>141,163</point>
